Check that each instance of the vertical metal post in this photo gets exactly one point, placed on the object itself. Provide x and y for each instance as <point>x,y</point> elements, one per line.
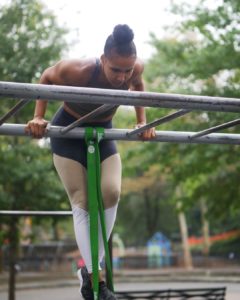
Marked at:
<point>111,259</point>
<point>13,242</point>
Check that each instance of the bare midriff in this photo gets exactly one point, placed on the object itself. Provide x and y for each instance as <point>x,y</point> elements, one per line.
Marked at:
<point>77,116</point>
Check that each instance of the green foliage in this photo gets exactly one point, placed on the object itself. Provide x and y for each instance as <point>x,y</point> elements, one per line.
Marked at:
<point>200,57</point>
<point>31,41</point>
<point>226,247</point>
<point>145,191</point>
<point>28,180</point>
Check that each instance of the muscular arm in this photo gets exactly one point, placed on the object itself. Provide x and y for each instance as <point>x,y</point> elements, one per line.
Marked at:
<point>37,126</point>
<point>41,105</point>
<point>63,73</point>
<point>74,73</point>
<point>138,85</point>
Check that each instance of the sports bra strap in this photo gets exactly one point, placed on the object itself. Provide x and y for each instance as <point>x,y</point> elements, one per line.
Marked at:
<point>95,73</point>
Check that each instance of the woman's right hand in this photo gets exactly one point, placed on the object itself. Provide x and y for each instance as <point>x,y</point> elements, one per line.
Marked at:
<point>36,127</point>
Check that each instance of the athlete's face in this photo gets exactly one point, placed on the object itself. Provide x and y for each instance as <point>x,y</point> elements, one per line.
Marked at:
<point>118,69</point>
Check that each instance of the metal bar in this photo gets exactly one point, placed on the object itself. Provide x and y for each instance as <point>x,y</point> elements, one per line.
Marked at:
<point>121,134</point>
<point>203,293</point>
<point>117,97</point>
<point>13,110</point>
<point>160,121</point>
<point>34,213</point>
<point>216,128</point>
<point>88,117</point>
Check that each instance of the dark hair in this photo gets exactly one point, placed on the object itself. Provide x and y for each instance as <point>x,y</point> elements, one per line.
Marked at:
<point>121,40</point>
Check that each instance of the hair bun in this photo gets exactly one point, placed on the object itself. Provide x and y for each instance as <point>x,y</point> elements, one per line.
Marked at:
<point>122,34</point>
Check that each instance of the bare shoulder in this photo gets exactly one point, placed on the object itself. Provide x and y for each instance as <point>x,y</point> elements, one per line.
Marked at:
<point>75,71</point>
<point>136,79</point>
<point>139,67</point>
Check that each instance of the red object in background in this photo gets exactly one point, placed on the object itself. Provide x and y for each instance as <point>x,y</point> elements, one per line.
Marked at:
<point>80,263</point>
<point>222,236</point>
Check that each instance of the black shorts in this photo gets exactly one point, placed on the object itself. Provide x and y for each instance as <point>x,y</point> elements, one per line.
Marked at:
<point>76,149</point>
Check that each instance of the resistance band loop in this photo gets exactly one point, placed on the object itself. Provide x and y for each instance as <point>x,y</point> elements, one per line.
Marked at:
<point>95,205</point>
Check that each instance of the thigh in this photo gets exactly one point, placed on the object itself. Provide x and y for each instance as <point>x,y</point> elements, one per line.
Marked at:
<point>74,179</point>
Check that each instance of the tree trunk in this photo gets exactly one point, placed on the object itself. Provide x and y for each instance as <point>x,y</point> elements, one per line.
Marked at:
<point>56,235</point>
<point>184,234</point>
<point>205,228</point>
<point>151,214</point>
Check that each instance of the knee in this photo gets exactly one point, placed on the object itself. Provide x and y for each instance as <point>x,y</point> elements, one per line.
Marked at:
<point>78,198</point>
<point>111,195</point>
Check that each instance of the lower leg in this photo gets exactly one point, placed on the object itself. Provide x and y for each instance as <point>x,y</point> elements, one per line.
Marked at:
<point>81,227</point>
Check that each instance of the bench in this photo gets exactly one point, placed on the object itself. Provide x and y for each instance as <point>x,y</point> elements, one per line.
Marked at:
<point>177,294</point>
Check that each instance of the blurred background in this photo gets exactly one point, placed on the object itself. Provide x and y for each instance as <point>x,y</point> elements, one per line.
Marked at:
<point>180,205</point>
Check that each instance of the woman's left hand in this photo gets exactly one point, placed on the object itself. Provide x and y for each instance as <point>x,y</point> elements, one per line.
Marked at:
<point>148,133</point>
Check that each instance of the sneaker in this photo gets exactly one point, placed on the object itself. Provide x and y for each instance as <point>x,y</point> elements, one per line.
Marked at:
<point>86,287</point>
<point>105,293</point>
<point>85,284</point>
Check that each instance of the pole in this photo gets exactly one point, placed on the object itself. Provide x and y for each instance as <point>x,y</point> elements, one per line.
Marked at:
<point>121,135</point>
<point>160,121</point>
<point>13,237</point>
<point>117,97</point>
<point>13,110</point>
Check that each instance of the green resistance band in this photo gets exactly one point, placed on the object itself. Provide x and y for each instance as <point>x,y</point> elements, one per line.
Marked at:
<point>95,205</point>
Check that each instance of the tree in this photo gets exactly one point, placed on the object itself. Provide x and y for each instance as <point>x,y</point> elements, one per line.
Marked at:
<point>145,191</point>
<point>202,57</point>
<point>31,40</point>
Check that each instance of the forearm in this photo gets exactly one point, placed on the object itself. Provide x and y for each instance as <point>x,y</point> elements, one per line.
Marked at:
<point>41,105</point>
<point>140,115</point>
<point>40,108</point>
<point>140,110</point>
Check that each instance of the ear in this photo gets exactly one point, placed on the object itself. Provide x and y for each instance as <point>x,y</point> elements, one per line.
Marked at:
<point>103,59</point>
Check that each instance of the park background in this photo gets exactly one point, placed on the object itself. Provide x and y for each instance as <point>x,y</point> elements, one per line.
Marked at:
<point>186,194</point>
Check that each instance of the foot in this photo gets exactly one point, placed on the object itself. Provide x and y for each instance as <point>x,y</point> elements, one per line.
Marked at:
<point>85,284</point>
<point>86,287</point>
<point>105,293</point>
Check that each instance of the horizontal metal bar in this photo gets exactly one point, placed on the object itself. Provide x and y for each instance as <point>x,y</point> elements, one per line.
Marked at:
<point>160,121</point>
<point>13,110</point>
<point>121,134</point>
<point>34,213</point>
<point>216,128</point>
<point>117,97</point>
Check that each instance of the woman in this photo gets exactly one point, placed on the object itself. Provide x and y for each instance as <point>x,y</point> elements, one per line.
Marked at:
<point>118,68</point>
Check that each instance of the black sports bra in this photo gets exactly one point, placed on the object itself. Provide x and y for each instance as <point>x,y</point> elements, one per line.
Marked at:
<point>85,108</point>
